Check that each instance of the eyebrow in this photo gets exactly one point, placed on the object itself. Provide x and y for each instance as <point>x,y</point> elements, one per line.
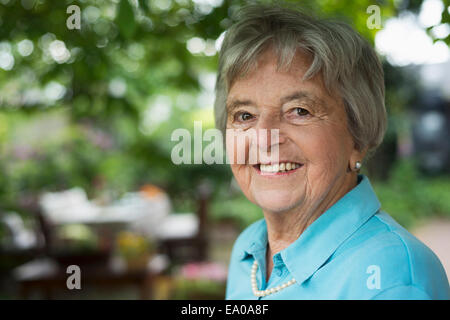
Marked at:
<point>298,95</point>
<point>236,103</point>
<point>301,95</point>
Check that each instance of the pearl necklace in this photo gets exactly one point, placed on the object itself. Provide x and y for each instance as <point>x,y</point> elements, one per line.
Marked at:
<point>263,293</point>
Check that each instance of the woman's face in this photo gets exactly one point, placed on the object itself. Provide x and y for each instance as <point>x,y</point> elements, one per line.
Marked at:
<point>313,142</point>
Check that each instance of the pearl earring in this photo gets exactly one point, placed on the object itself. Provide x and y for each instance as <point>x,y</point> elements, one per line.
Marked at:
<point>358,165</point>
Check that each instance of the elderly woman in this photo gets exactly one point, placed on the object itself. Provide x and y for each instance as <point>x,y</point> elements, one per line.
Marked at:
<point>320,86</point>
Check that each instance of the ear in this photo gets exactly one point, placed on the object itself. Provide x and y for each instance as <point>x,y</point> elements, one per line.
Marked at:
<point>357,155</point>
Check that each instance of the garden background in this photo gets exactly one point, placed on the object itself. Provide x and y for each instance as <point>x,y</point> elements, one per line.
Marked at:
<point>95,108</point>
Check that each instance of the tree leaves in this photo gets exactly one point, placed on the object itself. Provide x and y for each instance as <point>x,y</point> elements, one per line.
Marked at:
<point>125,19</point>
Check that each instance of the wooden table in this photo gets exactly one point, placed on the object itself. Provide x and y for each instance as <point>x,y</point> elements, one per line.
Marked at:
<point>46,275</point>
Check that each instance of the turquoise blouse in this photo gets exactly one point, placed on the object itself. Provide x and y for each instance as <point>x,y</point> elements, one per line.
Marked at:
<point>352,251</point>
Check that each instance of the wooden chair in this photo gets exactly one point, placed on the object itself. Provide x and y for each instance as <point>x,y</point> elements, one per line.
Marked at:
<point>191,248</point>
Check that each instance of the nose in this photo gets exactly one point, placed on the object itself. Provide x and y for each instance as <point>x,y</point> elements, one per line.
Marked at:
<point>269,138</point>
<point>269,133</point>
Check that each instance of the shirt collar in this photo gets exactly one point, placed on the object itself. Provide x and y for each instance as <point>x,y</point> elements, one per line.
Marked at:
<point>258,241</point>
<point>321,239</point>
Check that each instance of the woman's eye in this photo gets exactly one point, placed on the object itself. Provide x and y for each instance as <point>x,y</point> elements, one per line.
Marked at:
<point>301,112</point>
<point>244,116</point>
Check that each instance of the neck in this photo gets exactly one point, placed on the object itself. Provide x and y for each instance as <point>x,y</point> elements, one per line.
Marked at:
<point>283,228</point>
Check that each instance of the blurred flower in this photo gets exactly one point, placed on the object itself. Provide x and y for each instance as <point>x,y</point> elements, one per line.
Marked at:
<point>131,245</point>
<point>204,270</point>
<point>151,191</point>
<point>23,152</point>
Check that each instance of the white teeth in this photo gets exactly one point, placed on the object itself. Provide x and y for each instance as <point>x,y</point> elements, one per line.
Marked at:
<point>278,167</point>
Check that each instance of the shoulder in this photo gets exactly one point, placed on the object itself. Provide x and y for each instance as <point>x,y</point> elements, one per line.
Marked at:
<point>405,267</point>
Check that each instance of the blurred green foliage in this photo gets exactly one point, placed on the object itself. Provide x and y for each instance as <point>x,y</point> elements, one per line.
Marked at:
<point>410,197</point>
<point>187,289</point>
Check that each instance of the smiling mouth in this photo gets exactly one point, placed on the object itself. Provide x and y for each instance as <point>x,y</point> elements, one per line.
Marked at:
<point>277,168</point>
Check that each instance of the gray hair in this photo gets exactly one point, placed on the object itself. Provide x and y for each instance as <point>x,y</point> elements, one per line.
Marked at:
<point>345,60</point>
